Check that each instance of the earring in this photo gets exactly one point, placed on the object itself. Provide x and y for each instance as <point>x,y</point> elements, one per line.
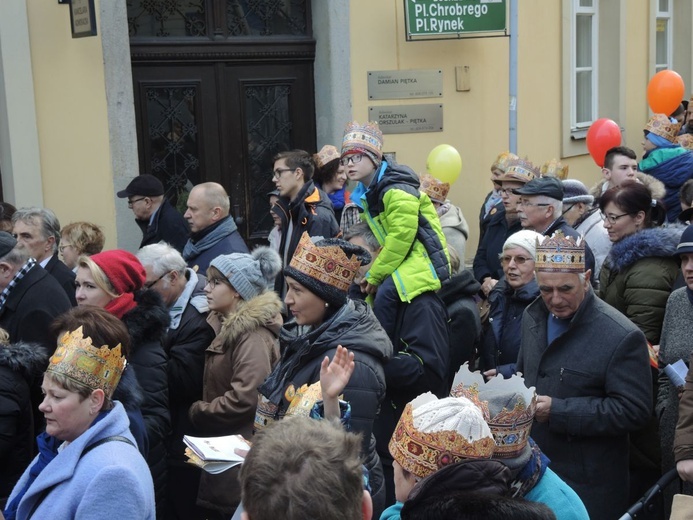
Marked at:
<point>327,305</point>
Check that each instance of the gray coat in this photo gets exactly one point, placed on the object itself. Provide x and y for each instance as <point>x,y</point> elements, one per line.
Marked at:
<point>675,344</point>
<point>598,377</point>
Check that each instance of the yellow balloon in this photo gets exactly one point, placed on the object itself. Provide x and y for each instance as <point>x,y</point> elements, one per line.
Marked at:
<point>444,163</point>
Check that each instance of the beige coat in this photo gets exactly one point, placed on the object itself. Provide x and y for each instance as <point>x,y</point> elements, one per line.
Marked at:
<point>236,363</point>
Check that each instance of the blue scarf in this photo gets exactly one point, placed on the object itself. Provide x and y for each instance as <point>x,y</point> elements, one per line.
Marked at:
<point>659,141</point>
<point>337,199</point>
<point>208,237</point>
<point>530,475</point>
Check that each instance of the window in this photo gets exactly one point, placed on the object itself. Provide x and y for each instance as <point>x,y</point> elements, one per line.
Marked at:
<point>663,35</point>
<point>584,61</point>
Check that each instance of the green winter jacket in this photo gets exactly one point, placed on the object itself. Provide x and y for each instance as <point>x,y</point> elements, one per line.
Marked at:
<point>405,223</point>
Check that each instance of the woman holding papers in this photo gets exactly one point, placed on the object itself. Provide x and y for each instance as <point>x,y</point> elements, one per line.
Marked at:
<point>675,345</point>
<point>246,317</point>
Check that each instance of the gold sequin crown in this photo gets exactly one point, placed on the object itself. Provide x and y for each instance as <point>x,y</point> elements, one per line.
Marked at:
<point>423,453</point>
<point>366,137</point>
<point>507,404</point>
<point>327,154</point>
<point>501,162</point>
<point>554,168</point>
<point>661,125</point>
<point>685,140</point>
<point>326,264</point>
<point>436,190</point>
<point>519,170</point>
<point>96,368</point>
<point>560,254</point>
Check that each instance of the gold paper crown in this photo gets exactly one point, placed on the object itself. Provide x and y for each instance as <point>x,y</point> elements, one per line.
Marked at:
<point>501,162</point>
<point>519,170</point>
<point>554,168</point>
<point>327,264</point>
<point>661,125</point>
<point>560,254</point>
<point>302,400</point>
<point>327,154</point>
<point>685,140</point>
<point>436,190</point>
<point>423,453</point>
<point>510,428</point>
<point>96,368</point>
<point>366,137</point>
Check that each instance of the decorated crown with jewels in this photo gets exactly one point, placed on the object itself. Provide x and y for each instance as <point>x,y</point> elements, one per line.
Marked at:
<point>501,162</point>
<point>519,170</point>
<point>507,404</point>
<point>554,168</point>
<point>560,254</point>
<point>661,125</point>
<point>436,190</point>
<point>78,360</point>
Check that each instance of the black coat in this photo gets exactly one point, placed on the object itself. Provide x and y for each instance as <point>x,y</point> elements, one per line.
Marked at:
<point>464,324</point>
<point>486,262</point>
<point>147,325</point>
<point>64,275</point>
<point>168,225</point>
<point>20,365</point>
<point>185,347</point>
<point>129,393</point>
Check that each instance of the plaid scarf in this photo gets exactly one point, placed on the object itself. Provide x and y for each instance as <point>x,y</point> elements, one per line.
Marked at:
<point>15,280</point>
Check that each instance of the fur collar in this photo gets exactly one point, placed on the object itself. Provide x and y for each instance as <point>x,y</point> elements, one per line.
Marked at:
<point>149,320</point>
<point>29,360</point>
<point>651,242</point>
<point>262,311</point>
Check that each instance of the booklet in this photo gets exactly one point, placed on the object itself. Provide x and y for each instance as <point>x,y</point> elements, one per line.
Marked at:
<point>215,454</point>
<point>676,372</point>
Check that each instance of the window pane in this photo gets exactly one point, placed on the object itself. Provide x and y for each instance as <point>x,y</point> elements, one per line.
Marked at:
<point>265,18</point>
<point>583,97</point>
<point>586,3</point>
<point>663,6</point>
<point>173,18</point>
<point>583,41</point>
<point>662,52</point>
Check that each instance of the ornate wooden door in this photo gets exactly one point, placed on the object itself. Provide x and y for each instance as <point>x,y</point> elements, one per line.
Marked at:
<point>220,87</point>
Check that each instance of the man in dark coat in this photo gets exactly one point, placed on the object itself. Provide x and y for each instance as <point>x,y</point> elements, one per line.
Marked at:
<point>158,220</point>
<point>37,231</point>
<point>590,367</point>
<point>186,341</point>
<point>302,207</point>
<point>213,231</point>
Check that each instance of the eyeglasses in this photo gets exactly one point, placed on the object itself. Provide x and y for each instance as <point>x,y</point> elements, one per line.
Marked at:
<point>132,202</point>
<point>152,284</point>
<point>213,282</point>
<point>278,172</point>
<point>530,204</point>
<point>354,159</point>
<point>506,191</point>
<point>612,218</point>
<point>62,247</point>
<point>519,260</point>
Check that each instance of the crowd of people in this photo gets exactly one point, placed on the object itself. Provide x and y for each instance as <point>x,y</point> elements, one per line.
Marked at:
<point>374,374</point>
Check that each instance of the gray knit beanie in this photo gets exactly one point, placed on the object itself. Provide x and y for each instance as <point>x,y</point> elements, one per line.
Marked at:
<point>249,274</point>
<point>574,191</point>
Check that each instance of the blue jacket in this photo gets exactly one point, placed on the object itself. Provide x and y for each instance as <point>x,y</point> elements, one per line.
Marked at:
<point>673,165</point>
<point>112,480</point>
<point>559,496</point>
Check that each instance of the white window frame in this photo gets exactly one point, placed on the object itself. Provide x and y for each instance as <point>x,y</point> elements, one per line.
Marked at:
<point>667,18</point>
<point>593,12</point>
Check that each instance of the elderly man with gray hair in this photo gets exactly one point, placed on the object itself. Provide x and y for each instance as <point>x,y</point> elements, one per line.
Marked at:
<point>37,231</point>
<point>188,336</point>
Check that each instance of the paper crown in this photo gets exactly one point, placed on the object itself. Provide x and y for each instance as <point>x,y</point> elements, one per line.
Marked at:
<point>327,154</point>
<point>501,162</point>
<point>519,170</point>
<point>436,190</point>
<point>366,138</point>
<point>661,125</point>
<point>507,404</point>
<point>78,360</point>
<point>560,254</point>
<point>424,452</point>
<point>554,168</point>
<point>685,140</point>
<point>326,264</point>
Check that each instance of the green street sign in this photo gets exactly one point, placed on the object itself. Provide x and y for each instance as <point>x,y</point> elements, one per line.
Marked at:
<point>426,19</point>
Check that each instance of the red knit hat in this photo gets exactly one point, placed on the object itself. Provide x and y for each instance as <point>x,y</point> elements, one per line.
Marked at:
<point>126,274</point>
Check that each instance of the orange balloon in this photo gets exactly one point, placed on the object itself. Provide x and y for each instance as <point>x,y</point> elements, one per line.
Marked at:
<point>665,92</point>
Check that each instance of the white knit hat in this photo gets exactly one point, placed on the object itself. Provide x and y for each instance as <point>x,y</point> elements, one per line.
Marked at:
<point>526,239</point>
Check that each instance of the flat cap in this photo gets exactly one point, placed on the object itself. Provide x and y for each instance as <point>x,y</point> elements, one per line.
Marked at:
<point>549,186</point>
<point>145,185</point>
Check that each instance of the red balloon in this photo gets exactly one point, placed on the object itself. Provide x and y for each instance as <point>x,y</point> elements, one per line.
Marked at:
<point>602,135</point>
<point>665,92</point>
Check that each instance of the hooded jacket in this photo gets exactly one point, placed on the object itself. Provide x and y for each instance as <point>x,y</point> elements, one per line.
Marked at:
<point>656,187</point>
<point>355,327</point>
<point>637,276</point>
<point>406,225</point>
<point>147,325</point>
<point>673,165</point>
<point>239,359</point>
<point>310,211</point>
<point>455,229</point>
<point>20,365</point>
